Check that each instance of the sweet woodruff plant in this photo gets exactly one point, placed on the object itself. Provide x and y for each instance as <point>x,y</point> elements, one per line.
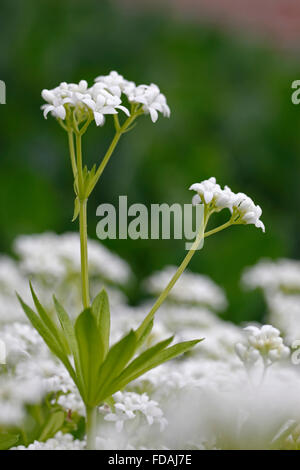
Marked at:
<point>100,369</point>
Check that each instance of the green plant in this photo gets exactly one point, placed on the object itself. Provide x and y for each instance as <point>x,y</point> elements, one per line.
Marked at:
<point>97,368</point>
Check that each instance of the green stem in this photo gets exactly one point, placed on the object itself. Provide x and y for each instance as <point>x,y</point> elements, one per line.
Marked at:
<point>178,273</point>
<point>91,415</point>
<point>218,229</point>
<point>171,284</point>
<point>72,152</point>
<point>112,147</point>
<point>84,253</point>
<point>79,167</point>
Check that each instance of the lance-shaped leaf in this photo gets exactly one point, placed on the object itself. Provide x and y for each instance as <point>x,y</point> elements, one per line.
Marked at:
<point>70,336</point>
<point>148,360</point>
<point>100,309</point>
<point>91,352</point>
<point>117,358</point>
<point>8,440</point>
<point>48,337</point>
<point>53,424</point>
<point>76,209</point>
<point>49,323</point>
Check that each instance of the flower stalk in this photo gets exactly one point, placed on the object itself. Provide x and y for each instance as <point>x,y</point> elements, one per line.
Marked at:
<point>91,417</point>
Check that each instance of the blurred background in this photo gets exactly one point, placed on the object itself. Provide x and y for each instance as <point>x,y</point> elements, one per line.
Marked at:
<point>227,74</point>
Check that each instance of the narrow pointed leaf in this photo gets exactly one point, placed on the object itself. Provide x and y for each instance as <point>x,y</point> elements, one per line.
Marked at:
<point>76,209</point>
<point>117,358</point>
<point>49,323</point>
<point>52,426</point>
<point>8,440</point>
<point>91,351</point>
<point>69,332</point>
<point>139,367</point>
<point>100,308</point>
<point>47,336</point>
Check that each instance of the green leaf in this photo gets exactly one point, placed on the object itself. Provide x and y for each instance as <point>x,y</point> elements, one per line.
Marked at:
<point>117,358</point>
<point>91,351</point>
<point>47,336</point>
<point>53,329</point>
<point>52,426</point>
<point>76,209</point>
<point>145,334</point>
<point>8,440</point>
<point>100,309</point>
<point>149,360</point>
<point>70,336</point>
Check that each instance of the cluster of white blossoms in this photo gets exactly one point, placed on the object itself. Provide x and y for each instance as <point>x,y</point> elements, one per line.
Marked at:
<point>280,283</point>
<point>59,442</point>
<point>265,343</point>
<point>205,392</point>
<point>190,288</point>
<point>282,274</point>
<point>129,404</point>
<point>241,206</point>
<point>58,256</point>
<point>104,97</point>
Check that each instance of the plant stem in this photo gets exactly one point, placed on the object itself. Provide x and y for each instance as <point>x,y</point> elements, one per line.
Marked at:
<point>111,148</point>
<point>84,253</point>
<point>178,273</point>
<point>72,152</point>
<point>171,284</point>
<point>218,229</point>
<point>91,415</point>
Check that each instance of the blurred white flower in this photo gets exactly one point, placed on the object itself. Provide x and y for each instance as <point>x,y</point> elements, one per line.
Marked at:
<point>55,256</point>
<point>59,442</point>
<point>129,404</point>
<point>190,288</point>
<point>264,342</point>
<point>268,274</point>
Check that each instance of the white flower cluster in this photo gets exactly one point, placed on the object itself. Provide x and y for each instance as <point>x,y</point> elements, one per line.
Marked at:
<point>205,393</point>
<point>191,288</point>
<point>104,97</point>
<point>241,206</point>
<point>283,274</point>
<point>58,256</point>
<point>265,343</point>
<point>129,404</point>
<point>59,442</point>
<point>280,283</point>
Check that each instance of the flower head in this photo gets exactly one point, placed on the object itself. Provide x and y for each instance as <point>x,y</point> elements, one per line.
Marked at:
<point>152,100</point>
<point>264,342</point>
<point>241,206</point>
<point>104,97</point>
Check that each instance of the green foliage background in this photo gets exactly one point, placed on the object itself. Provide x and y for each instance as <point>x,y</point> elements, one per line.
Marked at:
<point>232,117</point>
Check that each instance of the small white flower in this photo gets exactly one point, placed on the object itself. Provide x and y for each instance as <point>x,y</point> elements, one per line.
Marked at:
<point>115,83</point>
<point>129,404</point>
<point>264,342</point>
<point>248,212</point>
<point>243,209</point>
<point>151,98</point>
<point>102,102</point>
